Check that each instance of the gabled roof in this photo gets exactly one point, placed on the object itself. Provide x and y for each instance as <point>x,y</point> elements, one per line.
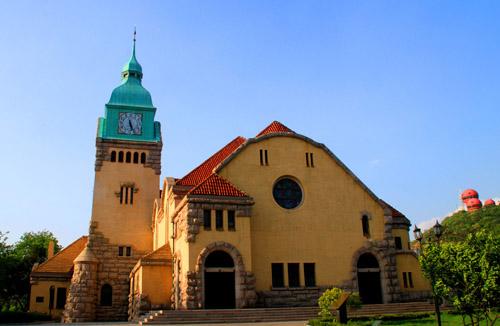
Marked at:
<point>215,185</point>
<point>162,253</point>
<point>205,169</point>
<point>275,127</point>
<point>62,262</point>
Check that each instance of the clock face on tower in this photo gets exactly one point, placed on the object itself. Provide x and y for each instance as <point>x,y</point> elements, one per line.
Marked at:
<point>130,123</point>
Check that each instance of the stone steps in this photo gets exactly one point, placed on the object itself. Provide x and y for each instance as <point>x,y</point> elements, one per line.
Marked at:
<point>273,314</point>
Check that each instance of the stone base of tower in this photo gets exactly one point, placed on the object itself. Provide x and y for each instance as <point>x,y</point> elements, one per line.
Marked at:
<point>81,300</point>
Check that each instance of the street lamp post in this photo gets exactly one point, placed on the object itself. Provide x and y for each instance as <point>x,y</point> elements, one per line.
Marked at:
<point>438,232</point>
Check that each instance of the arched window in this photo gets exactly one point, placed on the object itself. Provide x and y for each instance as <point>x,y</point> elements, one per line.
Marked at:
<point>113,156</point>
<point>106,295</point>
<point>120,157</point>
<point>366,226</point>
<point>219,259</point>
<point>143,158</point>
<point>128,158</point>
<point>136,157</point>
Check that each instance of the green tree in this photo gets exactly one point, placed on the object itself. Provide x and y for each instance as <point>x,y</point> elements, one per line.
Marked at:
<point>16,263</point>
<point>467,274</point>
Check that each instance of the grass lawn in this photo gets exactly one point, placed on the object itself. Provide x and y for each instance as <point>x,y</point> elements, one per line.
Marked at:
<point>427,319</point>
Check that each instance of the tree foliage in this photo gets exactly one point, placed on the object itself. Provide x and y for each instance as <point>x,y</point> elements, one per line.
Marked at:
<point>16,263</point>
<point>466,273</point>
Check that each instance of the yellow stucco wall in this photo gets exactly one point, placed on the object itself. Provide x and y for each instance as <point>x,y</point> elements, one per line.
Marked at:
<point>42,289</point>
<point>157,283</point>
<point>407,262</point>
<point>325,229</point>
<point>125,224</point>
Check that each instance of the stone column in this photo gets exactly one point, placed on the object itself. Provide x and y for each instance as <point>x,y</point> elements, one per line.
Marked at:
<point>82,296</point>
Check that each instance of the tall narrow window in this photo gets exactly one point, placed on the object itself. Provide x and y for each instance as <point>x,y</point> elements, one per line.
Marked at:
<point>207,219</point>
<point>61,298</point>
<point>120,156</point>
<point>309,275</point>
<point>136,157</point>
<point>143,158</point>
<point>128,251</point>
<point>120,251</point>
<point>261,157</point>
<point>231,220</point>
<point>106,295</point>
<point>266,160</point>
<point>51,297</point>
<point>131,195</point>
<point>311,159</point>
<point>405,282</point>
<point>219,220</point>
<point>293,275</point>
<point>126,195</point>
<point>113,156</point>
<point>307,159</point>
<point>121,194</point>
<point>366,226</point>
<point>410,279</point>
<point>128,157</point>
<point>398,243</point>
<point>278,275</point>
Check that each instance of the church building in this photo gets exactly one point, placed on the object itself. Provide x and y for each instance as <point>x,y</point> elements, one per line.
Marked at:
<point>267,221</point>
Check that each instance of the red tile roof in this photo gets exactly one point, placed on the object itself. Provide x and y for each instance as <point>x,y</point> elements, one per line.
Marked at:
<point>205,169</point>
<point>215,185</point>
<point>62,262</point>
<point>275,127</point>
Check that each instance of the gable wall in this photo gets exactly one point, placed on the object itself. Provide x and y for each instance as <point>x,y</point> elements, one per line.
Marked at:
<point>325,229</point>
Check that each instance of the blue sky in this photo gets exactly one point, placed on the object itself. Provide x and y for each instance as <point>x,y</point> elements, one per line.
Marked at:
<point>405,93</point>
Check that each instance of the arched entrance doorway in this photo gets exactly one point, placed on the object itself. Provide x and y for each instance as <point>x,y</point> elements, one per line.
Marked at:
<point>369,286</point>
<point>219,281</point>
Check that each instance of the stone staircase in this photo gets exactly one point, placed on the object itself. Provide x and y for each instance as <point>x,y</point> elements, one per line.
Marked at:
<point>272,314</point>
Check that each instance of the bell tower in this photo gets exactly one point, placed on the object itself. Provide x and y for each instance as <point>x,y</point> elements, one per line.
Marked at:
<point>127,175</point>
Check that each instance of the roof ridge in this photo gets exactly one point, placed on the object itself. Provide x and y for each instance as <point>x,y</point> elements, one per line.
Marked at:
<point>59,252</point>
<point>275,127</point>
<point>192,179</point>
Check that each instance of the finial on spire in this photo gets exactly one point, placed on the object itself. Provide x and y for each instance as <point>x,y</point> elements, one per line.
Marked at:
<point>135,33</point>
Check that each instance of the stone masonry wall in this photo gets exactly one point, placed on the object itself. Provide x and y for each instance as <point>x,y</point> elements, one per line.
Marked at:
<point>115,271</point>
<point>290,297</point>
<point>81,300</point>
<point>153,159</point>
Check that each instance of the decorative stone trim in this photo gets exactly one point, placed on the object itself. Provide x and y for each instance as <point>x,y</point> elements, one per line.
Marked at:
<point>290,297</point>
<point>104,146</point>
<point>190,219</point>
<point>245,281</point>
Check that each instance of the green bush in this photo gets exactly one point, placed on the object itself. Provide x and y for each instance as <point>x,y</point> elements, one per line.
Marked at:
<point>354,300</point>
<point>326,300</point>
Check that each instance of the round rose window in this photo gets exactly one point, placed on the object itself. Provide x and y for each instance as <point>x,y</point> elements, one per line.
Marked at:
<point>287,193</point>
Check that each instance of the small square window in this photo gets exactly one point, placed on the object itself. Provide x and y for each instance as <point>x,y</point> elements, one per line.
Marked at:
<point>39,299</point>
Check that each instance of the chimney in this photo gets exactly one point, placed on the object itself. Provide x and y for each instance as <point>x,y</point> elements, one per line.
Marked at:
<point>50,250</point>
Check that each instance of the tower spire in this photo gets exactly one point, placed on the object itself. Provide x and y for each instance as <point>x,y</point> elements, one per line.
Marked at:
<point>135,34</point>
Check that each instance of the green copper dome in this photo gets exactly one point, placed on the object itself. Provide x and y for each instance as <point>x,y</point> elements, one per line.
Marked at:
<point>131,92</point>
